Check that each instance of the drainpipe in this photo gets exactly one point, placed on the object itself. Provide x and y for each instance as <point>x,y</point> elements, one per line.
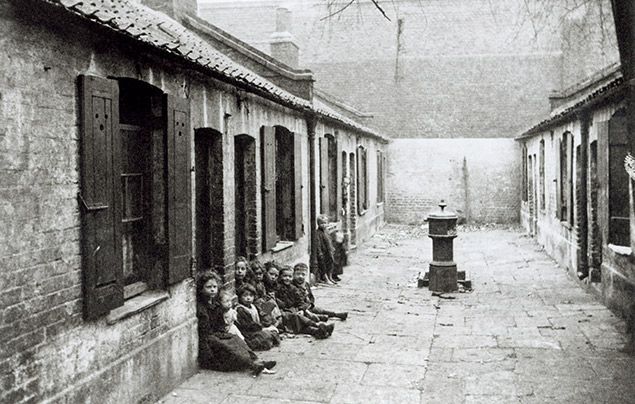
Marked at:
<point>311,122</point>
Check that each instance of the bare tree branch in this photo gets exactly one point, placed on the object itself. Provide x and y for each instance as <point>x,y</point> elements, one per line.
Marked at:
<point>337,11</point>
<point>381,10</point>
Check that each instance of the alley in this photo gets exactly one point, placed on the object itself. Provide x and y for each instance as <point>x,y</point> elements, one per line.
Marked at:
<point>527,333</point>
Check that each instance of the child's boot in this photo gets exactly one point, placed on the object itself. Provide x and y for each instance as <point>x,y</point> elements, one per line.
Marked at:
<point>317,332</point>
<point>327,328</point>
<point>342,316</point>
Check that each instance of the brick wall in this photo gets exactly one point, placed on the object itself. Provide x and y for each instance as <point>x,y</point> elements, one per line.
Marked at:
<point>478,178</point>
<point>457,69</point>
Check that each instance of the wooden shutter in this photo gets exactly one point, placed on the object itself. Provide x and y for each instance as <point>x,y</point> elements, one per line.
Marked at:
<point>360,181</point>
<point>603,178</point>
<point>339,167</point>
<point>366,180</point>
<point>297,186</point>
<point>268,140</point>
<point>559,164</point>
<point>619,221</point>
<point>99,197</point>
<point>178,138</point>
<point>324,176</point>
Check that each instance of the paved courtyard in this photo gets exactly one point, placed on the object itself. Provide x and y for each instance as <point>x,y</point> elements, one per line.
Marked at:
<point>527,333</point>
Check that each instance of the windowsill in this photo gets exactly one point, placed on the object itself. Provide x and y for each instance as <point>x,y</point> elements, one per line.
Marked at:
<point>362,213</point>
<point>566,225</point>
<point>281,245</point>
<point>620,249</point>
<point>136,305</point>
<point>380,204</point>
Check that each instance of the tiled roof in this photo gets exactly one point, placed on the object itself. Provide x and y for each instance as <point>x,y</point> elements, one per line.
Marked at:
<point>162,32</point>
<point>608,90</point>
<point>328,112</point>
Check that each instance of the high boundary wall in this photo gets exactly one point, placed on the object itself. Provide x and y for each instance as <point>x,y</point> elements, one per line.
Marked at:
<point>478,178</point>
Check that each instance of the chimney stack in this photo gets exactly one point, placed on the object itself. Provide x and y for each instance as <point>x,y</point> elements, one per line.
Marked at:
<point>173,8</point>
<point>282,45</point>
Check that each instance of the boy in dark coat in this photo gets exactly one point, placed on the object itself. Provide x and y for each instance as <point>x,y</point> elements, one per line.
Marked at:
<point>291,301</point>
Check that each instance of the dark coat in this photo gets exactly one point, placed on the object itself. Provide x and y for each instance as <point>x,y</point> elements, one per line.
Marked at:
<point>256,337</point>
<point>218,349</point>
<point>325,251</point>
<point>290,298</point>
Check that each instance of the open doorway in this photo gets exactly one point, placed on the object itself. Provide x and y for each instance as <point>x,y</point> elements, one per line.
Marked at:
<point>210,227</point>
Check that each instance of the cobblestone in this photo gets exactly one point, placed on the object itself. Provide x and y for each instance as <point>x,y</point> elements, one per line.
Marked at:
<point>527,333</point>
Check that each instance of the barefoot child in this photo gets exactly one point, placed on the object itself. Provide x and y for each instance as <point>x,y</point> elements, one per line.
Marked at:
<point>325,259</point>
<point>257,337</point>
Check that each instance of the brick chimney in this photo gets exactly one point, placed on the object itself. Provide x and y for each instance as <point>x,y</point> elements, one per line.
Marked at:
<point>282,45</point>
<point>172,7</point>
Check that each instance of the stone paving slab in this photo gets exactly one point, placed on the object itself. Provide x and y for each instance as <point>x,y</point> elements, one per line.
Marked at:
<point>527,333</point>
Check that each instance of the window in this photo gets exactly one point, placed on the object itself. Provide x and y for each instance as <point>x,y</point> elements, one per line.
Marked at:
<point>134,192</point>
<point>380,176</point>
<point>281,162</point>
<point>619,222</point>
<point>362,180</point>
<point>329,204</point>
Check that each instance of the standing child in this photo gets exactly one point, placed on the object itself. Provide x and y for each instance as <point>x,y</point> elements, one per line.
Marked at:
<point>257,337</point>
<point>340,255</point>
<point>300,273</point>
<point>325,259</point>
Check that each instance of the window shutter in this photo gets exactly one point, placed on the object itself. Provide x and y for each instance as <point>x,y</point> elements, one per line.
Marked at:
<point>178,139</point>
<point>619,221</point>
<point>269,187</point>
<point>297,169</point>
<point>100,199</point>
<point>360,174</point>
<point>603,178</point>
<point>324,176</point>
<point>559,164</point>
<point>366,180</point>
<point>339,163</point>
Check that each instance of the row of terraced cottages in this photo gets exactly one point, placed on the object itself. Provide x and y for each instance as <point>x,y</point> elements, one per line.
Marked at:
<point>134,153</point>
<point>575,188</point>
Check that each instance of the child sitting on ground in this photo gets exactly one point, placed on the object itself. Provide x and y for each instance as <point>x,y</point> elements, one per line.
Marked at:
<point>242,273</point>
<point>257,337</point>
<point>300,273</point>
<point>226,299</point>
<point>291,301</point>
<point>258,271</point>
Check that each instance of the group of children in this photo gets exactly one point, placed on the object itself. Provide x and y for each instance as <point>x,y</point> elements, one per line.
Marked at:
<point>272,299</point>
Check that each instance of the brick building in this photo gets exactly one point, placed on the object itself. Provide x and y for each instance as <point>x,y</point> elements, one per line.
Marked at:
<point>437,71</point>
<point>575,188</point>
<point>138,147</point>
